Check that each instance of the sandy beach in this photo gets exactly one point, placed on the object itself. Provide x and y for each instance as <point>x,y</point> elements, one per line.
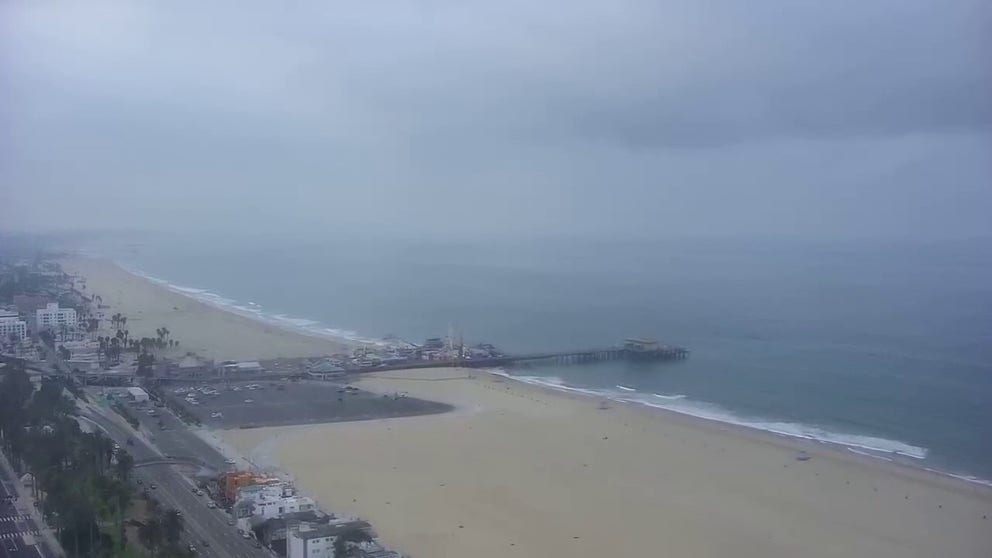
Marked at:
<point>523,471</point>
<point>518,470</point>
<point>198,327</point>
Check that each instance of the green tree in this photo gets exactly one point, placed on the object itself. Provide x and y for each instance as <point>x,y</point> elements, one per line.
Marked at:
<point>172,527</point>
<point>151,534</point>
<point>124,466</point>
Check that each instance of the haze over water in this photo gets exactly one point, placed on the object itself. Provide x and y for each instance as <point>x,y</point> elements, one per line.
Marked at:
<point>872,344</point>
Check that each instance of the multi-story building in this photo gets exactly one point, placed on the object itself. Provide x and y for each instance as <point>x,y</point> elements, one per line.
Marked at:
<point>318,542</point>
<point>270,499</point>
<point>53,318</point>
<point>11,326</point>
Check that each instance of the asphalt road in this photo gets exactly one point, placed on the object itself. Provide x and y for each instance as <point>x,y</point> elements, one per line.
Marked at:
<point>174,438</point>
<point>14,525</point>
<point>176,491</point>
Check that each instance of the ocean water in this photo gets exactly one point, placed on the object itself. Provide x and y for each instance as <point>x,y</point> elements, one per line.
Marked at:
<point>883,347</point>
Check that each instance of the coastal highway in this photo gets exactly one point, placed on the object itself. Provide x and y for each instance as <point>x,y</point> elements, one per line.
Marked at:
<point>176,491</point>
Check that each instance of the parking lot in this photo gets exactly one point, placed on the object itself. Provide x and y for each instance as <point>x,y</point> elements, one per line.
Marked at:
<point>280,403</point>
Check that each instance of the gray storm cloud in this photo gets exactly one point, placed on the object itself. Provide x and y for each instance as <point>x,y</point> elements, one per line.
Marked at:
<point>430,118</point>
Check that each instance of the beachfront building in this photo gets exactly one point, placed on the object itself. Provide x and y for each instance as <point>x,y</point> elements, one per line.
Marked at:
<point>233,481</point>
<point>272,498</point>
<point>325,370</point>
<point>318,541</point>
<point>248,512</point>
<point>137,395</point>
<point>191,366</point>
<point>244,367</point>
<point>12,326</point>
<point>51,317</point>
<point>272,531</point>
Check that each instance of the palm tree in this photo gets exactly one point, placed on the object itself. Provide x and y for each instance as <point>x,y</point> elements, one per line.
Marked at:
<point>150,533</point>
<point>172,527</point>
<point>125,464</point>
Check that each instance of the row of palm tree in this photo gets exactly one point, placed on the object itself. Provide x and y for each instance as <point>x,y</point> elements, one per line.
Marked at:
<point>110,349</point>
<point>118,320</point>
<point>80,479</point>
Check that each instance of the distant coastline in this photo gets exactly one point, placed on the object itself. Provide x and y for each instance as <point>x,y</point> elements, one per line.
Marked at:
<point>879,449</point>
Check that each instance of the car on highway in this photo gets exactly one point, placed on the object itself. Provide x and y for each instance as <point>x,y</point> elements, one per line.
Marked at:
<point>153,486</point>
<point>192,548</point>
<point>230,461</point>
<point>230,521</point>
<point>249,400</point>
<point>211,504</point>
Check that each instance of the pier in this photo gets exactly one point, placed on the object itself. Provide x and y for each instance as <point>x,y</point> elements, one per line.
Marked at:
<point>634,350</point>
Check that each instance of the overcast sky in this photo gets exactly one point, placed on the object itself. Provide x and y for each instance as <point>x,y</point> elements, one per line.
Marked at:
<point>802,118</point>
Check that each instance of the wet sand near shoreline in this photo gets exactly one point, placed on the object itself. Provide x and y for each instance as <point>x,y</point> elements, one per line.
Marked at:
<point>517,470</point>
<point>199,327</point>
<point>523,471</point>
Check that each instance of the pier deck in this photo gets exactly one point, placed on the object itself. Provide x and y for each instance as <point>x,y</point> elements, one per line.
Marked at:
<point>627,353</point>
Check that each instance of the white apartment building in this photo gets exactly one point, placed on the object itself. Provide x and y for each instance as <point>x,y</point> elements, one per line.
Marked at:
<point>269,500</point>
<point>11,323</point>
<point>276,508</point>
<point>267,509</point>
<point>318,541</point>
<point>52,317</point>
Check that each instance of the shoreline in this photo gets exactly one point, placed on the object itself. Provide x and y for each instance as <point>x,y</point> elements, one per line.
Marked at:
<point>518,469</point>
<point>867,457</point>
<point>252,311</point>
<point>208,330</point>
<point>526,445</point>
<point>219,303</point>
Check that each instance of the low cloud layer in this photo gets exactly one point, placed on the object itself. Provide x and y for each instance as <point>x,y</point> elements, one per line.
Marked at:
<point>808,119</point>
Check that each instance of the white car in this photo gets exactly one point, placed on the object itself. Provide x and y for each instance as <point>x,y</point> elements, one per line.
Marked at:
<point>249,400</point>
<point>216,415</point>
<point>230,461</point>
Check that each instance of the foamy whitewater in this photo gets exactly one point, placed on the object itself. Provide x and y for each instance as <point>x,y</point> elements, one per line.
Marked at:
<point>680,404</point>
<point>881,349</point>
<point>672,402</point>
<point>254,310</point>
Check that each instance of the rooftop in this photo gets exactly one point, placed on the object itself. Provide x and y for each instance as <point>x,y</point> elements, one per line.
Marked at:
<point>334,530</point>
